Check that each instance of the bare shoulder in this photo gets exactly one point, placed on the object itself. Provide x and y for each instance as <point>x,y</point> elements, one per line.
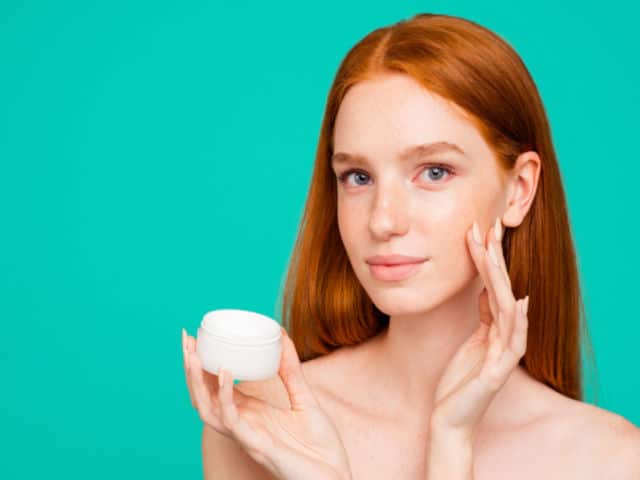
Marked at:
<point>604,443</point>
<point>222,456</point>
<point>610,440</point>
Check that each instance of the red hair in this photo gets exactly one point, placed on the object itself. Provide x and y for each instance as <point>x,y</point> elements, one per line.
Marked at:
<point>325,306</point>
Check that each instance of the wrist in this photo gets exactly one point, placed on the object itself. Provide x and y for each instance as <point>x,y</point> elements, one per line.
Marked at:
<point>450,454</point>
<point>441,429</point>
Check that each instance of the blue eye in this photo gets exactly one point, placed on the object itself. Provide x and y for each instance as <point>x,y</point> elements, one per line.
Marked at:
<point>439,169</point>
<point>343,177</point>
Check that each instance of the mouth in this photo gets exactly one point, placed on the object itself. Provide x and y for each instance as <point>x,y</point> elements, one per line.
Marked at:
<point>392,273</point>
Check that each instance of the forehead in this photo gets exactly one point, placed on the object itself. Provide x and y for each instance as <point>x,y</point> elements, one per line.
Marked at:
<point>387,114</point>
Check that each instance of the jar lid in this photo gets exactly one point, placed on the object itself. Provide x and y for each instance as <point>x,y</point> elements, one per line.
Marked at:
<point>240,326</point>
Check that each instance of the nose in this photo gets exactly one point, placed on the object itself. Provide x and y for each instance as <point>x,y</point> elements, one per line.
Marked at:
<point>390,211</point>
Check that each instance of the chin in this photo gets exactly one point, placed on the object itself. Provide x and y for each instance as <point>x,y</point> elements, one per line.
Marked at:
<point>407,299</point>
<point>414,296</point>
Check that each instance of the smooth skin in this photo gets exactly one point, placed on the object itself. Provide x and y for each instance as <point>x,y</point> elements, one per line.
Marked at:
<point>302,442</point>
<point>294,443</point>
<point>407,401</point>
<point>481,366</point>
<point>484,362</point>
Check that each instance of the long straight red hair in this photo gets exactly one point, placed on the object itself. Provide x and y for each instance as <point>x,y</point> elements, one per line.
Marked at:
<point>324,305</point>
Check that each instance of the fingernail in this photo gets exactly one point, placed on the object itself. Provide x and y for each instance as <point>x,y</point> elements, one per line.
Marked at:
<point>221,378</point>
<point>493,256</point>
<point>498,229</point>
<point>476,233</point>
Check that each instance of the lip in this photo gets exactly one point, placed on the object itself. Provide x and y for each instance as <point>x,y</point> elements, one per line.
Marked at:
<point>393,260</point>
<point>392,273</point>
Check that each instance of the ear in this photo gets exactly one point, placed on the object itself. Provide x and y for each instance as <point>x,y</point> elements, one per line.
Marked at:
<point>521,188</point>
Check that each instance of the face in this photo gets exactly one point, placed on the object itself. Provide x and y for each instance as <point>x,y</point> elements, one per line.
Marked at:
<point>420,203</point>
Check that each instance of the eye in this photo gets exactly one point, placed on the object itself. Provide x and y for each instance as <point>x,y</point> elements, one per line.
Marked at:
<point>439,170</point>
<point>343,177</point>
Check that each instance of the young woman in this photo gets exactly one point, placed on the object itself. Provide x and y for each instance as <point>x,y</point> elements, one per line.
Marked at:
<point>433,297</point>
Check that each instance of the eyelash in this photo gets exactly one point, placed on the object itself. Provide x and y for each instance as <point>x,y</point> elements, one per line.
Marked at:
<point>342,178</point>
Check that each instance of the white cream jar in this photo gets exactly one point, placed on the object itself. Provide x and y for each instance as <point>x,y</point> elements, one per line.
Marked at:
<point>248,344</point>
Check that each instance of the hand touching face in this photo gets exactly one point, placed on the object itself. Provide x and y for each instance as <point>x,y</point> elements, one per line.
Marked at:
<point>482,365</point>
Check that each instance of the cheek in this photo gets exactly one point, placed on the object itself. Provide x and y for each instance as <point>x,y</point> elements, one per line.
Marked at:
<point>351,220</point>
<point>343,226</point>
<point>455,206</point>
<point>348,230</point>
<point>452,267</point>
<point>451,254</point>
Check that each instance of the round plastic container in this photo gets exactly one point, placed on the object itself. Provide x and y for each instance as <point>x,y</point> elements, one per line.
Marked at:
<point>248,344</point>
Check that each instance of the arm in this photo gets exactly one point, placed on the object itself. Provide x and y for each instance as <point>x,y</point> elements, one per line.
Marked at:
<point>450,455</point>
<point>222,457</point>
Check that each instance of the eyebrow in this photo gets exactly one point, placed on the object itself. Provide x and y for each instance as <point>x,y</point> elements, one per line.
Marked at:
<point>423,150</point>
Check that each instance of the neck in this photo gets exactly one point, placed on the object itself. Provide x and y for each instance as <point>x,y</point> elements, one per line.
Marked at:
<point>412,353</point>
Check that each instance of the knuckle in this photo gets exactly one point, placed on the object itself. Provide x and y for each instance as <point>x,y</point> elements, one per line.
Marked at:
<point>212,421</point>
<point>226,421</point>
<point>201,414</point>
<point>516,352</point>
<point>513,354</point>
<point>493,379</point>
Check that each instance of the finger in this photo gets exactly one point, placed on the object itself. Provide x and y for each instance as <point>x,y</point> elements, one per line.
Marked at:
<point>509,358</point>
<point>230,416</point>
<point>478,254</point>
<point>290,371</point>
<point>492,372</point>
<point>482,332</point>
<point>518,344</point>
<point>211,379</point>
<point>495,240</point>
<point>203,395</point>
<point>189,348</point>
<point>498,235</point>
<point>494,350</point>
<point>184,365</point>
<point>503,295</point>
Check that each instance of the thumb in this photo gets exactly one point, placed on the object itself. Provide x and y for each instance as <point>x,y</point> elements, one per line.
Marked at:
<point>300,395</point>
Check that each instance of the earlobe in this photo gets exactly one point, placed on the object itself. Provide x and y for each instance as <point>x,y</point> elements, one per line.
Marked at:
<point>522,188</point>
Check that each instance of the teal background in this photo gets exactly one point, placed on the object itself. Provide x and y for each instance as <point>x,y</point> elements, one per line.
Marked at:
<point>155,158</point>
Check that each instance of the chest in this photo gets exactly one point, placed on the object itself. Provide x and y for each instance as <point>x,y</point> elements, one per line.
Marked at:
<point>380,450</point>
<point>377,453</point>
